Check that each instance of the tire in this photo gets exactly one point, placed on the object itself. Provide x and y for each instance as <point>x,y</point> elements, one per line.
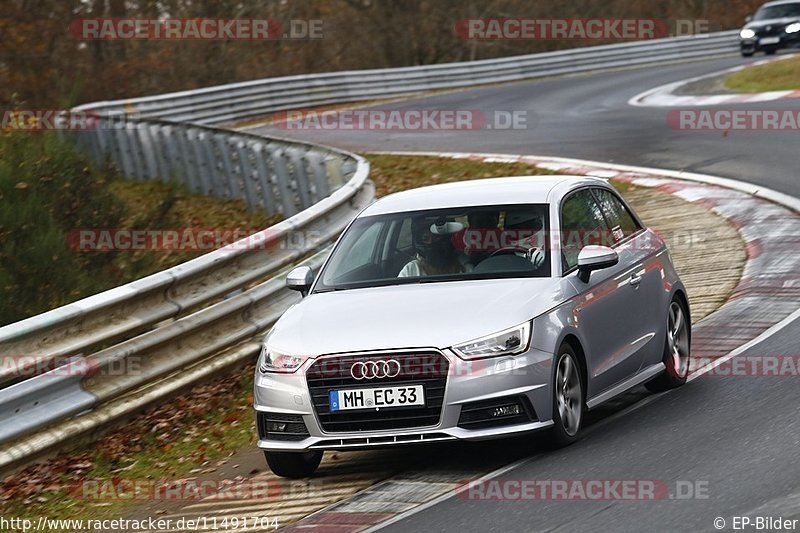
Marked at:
<point>569,399</point>
<point>293,465</point>
<point>770,51</point>
<point>677,349</point>
<point>747,54</point>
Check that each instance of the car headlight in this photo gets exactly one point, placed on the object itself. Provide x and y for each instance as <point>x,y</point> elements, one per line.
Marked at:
<point>793,28</point>
<point>510,341</point>
<point>272,361</point>
<point>747,34</point>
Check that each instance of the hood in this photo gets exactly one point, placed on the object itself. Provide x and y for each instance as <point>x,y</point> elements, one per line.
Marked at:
<point>779,23</point>
<point>436,315</point>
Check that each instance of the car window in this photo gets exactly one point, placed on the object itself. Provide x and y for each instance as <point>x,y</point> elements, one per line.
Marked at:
<point>582,224</point>
<point>622,223</point>
<point>450,244</point>
<point>359,251</point>
<point>404,239</point>
<point>778,12</point>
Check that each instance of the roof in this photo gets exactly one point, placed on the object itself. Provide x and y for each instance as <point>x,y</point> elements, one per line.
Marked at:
<point>780,2</point>
<point>494,191</point>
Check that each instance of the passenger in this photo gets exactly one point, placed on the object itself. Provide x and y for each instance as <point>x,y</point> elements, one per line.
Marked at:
<point>434,248</point>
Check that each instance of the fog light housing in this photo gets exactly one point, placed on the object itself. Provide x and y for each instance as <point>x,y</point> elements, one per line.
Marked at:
<point>278,426</point>
<point>504,411</point>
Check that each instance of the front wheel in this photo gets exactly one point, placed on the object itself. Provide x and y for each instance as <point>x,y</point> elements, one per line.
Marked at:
<point>747,54</point>
<point>770,51</point>
<point>676,350</point>
<point>294,465</point>
<point>568,399</point>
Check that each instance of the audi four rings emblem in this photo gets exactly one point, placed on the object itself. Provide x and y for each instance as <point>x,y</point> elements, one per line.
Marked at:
<point>375,369</point>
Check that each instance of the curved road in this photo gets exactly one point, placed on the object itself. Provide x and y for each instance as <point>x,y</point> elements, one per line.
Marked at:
<point>588,117</point>
<point>734,439</point>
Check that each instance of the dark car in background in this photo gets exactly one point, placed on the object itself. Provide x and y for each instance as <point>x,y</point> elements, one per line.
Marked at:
<point>775,25</point>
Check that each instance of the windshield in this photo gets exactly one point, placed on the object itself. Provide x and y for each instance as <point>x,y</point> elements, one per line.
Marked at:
<point>483,242</point>
<point>778,12</point>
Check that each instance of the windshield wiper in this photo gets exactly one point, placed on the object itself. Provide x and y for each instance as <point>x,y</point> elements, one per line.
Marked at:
<point>331,289</point>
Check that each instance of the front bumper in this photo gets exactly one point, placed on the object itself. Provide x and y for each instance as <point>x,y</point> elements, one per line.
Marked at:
<point>755,44</point>
<point>526,377</point>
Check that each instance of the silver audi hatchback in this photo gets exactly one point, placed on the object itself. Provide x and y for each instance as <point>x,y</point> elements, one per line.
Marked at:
<point>474,310</point>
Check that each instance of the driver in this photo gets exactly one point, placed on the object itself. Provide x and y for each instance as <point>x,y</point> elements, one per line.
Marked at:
<point>434,248</point>
<point>524,229</point>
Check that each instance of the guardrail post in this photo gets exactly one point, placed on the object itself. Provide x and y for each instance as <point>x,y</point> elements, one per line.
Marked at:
<point>188,171</point>
<point>317,165</point>
<point>206,179</point>
<point>265,177</point>
<point>123,150</point>
<point>137,156</point>
<point>283,181</point>
<point>160,144</point>
<point>170,158</point>
<point>148,147</point>
<point>244,153</point>
<point>227,177</point>
<point>208,153</point>
<point>300,175</point>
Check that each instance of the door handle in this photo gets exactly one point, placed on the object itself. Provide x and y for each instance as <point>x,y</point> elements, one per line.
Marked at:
<point>636,279</point>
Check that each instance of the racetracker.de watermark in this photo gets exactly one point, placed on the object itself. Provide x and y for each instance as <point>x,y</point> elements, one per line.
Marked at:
<point>47,120</point>
<point>585,29</point>
<point>14,366</point>
<point>209,29</point>
<point>734,119</point>
<point>193,489</point>
<point>751,366</point>
<point>402,119</point>
<point>189,240</point>
<point>582,490</point>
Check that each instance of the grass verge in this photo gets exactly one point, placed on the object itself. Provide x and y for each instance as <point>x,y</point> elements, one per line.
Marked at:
<point>780,75</point>
<point>48,191</point>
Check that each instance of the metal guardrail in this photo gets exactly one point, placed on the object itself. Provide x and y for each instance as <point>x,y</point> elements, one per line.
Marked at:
<point>274,175</point>
<point>235,102</point>
<point>185,315</point>
<point>176,317</point>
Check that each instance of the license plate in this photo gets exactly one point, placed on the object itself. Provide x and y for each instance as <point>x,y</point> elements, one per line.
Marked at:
<point>770,40</point>
<point>378,397</point>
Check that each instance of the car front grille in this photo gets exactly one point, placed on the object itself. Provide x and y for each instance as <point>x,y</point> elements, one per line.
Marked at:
<point>428,369</point>
<point>770,31</point>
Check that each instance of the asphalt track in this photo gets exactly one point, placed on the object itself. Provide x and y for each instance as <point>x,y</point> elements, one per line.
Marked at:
<point>735,438</point>
<point>588,117</point>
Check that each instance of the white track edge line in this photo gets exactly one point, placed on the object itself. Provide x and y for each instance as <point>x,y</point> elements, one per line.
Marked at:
<point>639,99</point>
<point>744,347</point>
<point>447,495</point>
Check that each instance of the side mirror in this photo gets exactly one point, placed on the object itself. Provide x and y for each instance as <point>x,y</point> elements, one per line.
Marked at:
<point>748,18</point>
<point>593,258</point>
<point>300,279</point>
